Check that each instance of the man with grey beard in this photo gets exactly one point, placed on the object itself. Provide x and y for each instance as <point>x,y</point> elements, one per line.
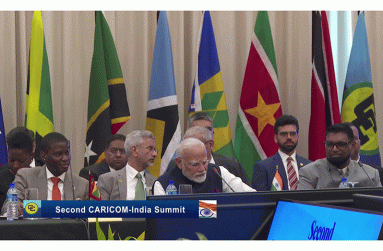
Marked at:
<point>129,183</point>
<point>328,172</point>
<point>194,169</point>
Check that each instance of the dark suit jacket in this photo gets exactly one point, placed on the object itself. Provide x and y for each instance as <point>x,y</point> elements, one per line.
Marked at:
<point>96,170</point>
<point>230,164</point>
<point>6,178</point>
<point>264,172</point>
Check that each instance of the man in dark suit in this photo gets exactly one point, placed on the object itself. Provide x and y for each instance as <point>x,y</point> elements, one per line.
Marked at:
<point>201,119</point>
<point>115,158</point>
<point>273,173</point>
<point>355,150</point>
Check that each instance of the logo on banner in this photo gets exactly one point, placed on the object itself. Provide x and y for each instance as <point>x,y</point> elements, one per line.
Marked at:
<point>32,208</point>
<point>359,109</point>
<point>207,209</point>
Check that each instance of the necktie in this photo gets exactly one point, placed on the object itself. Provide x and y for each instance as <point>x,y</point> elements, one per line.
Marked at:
<point>140,193</point>
<point>292,174</point>
<point>56,194</point>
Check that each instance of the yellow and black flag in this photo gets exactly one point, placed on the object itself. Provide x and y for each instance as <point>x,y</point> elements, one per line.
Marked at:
<point>108,108</point>
<point>38,111</point>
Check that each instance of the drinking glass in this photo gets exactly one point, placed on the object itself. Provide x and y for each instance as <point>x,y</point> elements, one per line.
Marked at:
<point>185,189</point>
<point>31,194</point>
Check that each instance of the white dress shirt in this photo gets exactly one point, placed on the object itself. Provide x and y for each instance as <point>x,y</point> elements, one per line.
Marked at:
<point>50,184</point>
<point>234,182</point>
<point>131,181</point>
<point>284,157</point>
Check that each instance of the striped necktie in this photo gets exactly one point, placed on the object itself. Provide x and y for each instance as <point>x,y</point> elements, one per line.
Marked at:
<point>292,174</point>
<point>140,193</point>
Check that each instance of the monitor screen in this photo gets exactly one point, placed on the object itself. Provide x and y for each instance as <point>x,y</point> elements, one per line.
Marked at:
<point>241,216</point>
<point>306,221</point>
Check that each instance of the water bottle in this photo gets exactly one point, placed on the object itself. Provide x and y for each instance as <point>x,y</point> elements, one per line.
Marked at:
<point>343,183</point>
<point>12,200</point>
<point>171,189</point>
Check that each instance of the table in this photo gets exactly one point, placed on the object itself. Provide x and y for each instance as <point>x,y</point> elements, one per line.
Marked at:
<point>66,229</point>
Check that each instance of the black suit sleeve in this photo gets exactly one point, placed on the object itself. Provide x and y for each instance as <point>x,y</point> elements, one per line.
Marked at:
<point>85,173</point>
<point>260,180</point>
<point>172,164</point>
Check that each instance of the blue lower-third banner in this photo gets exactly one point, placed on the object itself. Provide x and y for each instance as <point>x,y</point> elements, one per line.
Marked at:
<point>120,209</point>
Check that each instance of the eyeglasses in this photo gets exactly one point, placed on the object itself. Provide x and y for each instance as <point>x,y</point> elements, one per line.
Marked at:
<point>198,164</point>
<point>150,148</point>
<point>340,145</point>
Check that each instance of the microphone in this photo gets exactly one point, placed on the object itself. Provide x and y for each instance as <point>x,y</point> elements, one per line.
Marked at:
<point>70,166</point>
<point>216,171</point>
<point>361,165</point>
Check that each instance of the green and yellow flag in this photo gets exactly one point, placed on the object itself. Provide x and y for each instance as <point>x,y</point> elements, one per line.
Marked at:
<point>208,94</point>
<point>108,108</point>
<point>38,111</point>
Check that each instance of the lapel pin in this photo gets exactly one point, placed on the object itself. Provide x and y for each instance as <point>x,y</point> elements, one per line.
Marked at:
<point>301,164</point>
<point>120,180</point>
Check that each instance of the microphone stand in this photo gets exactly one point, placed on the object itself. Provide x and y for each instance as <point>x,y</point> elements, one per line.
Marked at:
<point>216,171</point>
<point>70,167</point>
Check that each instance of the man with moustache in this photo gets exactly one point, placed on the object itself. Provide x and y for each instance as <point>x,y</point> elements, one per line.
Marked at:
<point>281,171</point>
<point>115,158</point>
<point>129,183</point>
<point>193,168</point>
<point>53,180</point>
<point>202,119</point>
<point>328,172</point>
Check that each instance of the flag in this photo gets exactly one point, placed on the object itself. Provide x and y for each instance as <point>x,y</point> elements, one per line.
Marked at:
<point>259,103</point>
<point>277,184</point>
<point>208,94</point>
<point>93,190</point>
<point>38,111</point>
<point>324,96</point>
<point>3,145</point>
<point>108,108</point>
<point>162,114</point>
<point>358,96</point>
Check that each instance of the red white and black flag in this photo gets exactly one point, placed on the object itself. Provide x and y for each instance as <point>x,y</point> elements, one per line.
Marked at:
<point>324,96</point>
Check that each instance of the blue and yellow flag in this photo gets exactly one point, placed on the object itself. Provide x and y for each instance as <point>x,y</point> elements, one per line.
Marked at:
<point>358,96</point>
<point>3,145</point>
<point>162,114</point>
<point>38,111</point>
<point>208,94</point>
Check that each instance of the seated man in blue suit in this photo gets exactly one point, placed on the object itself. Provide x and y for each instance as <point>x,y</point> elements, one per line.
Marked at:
<point>280,172</point>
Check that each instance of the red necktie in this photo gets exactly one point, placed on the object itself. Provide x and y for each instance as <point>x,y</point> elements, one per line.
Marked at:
<point>56,194</point>
<point>293,178</point>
